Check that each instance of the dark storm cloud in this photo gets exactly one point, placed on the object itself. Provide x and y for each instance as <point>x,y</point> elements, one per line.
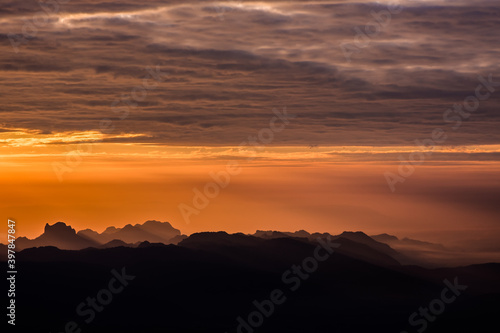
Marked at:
<point>228,64</point>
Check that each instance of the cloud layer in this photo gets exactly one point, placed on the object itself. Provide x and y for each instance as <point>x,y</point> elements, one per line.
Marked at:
<point>228,64</point>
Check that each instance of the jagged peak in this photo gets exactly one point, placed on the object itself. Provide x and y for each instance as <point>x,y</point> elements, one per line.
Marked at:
<point>58,227</point>
<point>110,230</point>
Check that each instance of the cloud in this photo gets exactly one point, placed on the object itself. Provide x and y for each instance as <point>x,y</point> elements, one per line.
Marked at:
<point>34,138</point>
<point>225,74</point>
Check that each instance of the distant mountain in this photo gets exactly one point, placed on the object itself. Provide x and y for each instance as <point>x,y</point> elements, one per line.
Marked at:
<point>90,234</point>
<point>177,239</point>
<point>361,237</point>
<point>115,243</point>
<point>372,251</point>
<point>270,234</point>
<point>217,239</point>
<point>416,252</point>
<point>65,237</point>
<point>405,242</point>
<point>385,238</point>
<point>382,249</point>
<point>271,244</point>
<point>59,235</point>
<point>151,231</point>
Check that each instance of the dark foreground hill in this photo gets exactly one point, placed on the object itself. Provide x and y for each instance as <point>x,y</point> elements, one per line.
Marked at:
<point>215,282</point>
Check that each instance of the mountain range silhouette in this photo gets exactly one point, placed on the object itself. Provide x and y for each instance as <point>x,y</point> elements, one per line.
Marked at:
<point>406,251</point>
<point>211,281</point>
<point>65,237</point>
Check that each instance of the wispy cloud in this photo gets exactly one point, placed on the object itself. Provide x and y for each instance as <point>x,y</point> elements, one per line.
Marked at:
<point>34,138</point>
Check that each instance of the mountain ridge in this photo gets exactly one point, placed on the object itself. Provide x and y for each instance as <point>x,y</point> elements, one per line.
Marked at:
<point>384,247</point>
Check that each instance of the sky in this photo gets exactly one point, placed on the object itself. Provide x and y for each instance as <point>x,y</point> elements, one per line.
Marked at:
<point>116,113</point>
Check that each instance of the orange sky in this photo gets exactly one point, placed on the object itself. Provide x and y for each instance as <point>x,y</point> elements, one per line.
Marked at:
<point>292,194</point>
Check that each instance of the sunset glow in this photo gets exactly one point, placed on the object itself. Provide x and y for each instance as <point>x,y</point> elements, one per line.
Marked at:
<point>115,114</point>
